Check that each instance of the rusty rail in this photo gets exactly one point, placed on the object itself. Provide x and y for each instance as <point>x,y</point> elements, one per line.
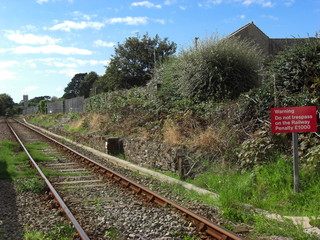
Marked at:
<point>212,230</point>
<point>57,197</point>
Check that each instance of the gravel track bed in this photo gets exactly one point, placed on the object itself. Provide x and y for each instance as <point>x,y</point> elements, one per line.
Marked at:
<point>108,209</point>
<point>23,211</point>
<point>211,213</point>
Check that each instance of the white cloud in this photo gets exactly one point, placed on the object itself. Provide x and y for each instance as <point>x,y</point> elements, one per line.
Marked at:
<point>68,25</point>
<point>46,1</point>
<point>162,21</point>
<point>29,89</point>
<point>146,4</point>
<point>78,14</point>
<point>8,64</point>
<point>263,3</point>
<point>242,16</point>
<point>68,72</point>
<point>50,49</point>
<point>71,63</point>
<point>170,2</point>
<point>128,20</point>
<point>6,75</point>
<point>271,17</point>
<point>4,50</point>
<point>29,27</point>
<point>100,43</point>
<point>289,2</point>
<point>42,1</point>
<point>31,39</point>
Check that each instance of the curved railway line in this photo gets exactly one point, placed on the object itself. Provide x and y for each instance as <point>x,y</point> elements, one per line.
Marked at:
<point>95,198</point>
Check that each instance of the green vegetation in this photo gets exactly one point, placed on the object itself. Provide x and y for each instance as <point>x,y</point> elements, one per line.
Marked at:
<point>113,234</point>
<point>134,60</point>
<point>75,130</point>
<point>6,105</point>
<point>267,187</point>
<point>214,102</point>
<point>42,107</point>
<point>62,232</point>
<point>218,68</point>
<point>73,89</point>
<point>46,120</point>
<point>35,151</point>
<point>14,165</point>
<point>33,184</point>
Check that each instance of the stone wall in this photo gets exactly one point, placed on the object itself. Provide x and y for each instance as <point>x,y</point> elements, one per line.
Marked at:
<point>155,155</point>
<point>146,153</point>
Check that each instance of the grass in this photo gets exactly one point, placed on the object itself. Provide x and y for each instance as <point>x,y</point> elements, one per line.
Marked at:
<point>61,232</point>
<point>35,151</point>
<point>75,130</point>
<point>34,184</point>
<point>113,234</point>
<point>14,165</point>
<point>13,162</point>
<point>268,187</point>
<point>42,121</point>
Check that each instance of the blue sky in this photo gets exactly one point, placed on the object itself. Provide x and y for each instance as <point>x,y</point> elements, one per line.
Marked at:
<point>44,43</point>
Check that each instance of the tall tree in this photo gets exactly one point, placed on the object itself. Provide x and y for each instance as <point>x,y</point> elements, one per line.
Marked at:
<point>73,88</point>
<point>86,84</point>
<point>133,61</point>
<point>6,105</point>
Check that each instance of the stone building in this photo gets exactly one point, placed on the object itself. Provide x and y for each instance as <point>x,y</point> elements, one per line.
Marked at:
<point>270,46</point>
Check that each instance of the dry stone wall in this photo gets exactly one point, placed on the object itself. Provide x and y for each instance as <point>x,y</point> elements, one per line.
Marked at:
<point>146,153</point>
<point>155,155</point>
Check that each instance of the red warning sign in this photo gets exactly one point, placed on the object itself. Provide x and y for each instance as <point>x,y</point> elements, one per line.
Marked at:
<point>294,119</point>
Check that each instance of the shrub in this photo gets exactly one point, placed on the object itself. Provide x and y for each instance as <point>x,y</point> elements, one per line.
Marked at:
<point>42,107</point>
<point>218,68</point>
<point>296,73</point>
<point>34,185</point>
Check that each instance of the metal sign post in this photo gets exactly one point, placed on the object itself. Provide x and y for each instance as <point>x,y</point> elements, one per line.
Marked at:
<point>294,120</point>
<point>295,162</point>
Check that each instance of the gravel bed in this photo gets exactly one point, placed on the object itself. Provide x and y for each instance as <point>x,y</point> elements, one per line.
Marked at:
<point>23,211</point>
<point>213,214</point>
<point>109,210</point>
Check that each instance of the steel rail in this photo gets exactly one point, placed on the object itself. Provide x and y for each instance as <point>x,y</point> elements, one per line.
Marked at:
<point>62,204</point>
<point>204,225</point>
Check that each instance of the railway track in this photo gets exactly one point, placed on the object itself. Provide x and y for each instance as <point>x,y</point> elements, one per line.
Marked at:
<point>103,208</point>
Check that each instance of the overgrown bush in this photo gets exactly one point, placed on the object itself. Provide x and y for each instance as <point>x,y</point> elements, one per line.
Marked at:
<point>42,107</point>
<point>296,72</point>
<point>293,81</point>
<point>218,68</point>
<point>261,148</point>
